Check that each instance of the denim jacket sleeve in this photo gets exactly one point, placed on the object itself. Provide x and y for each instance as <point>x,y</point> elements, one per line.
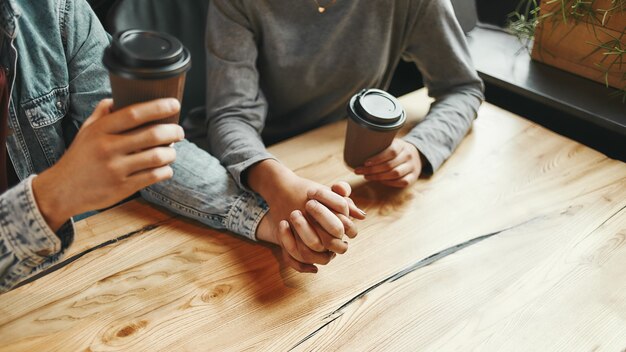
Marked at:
<point>27,243</point>
<point>84,43</point>
<point>203,190</point>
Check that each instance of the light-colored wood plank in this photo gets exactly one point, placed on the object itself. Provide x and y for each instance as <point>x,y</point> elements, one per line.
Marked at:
<point>126,219</point>
<point>553,284</point>
<point>182,286</point>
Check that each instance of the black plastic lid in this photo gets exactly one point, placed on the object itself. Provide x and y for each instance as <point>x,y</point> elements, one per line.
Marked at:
<point>142,54</point>
<point>376,109</point>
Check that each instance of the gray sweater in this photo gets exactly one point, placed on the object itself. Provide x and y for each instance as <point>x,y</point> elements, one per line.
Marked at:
<point>277,68</point>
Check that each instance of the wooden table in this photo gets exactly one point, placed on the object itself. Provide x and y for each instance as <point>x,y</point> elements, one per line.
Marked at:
<point>516,244</point>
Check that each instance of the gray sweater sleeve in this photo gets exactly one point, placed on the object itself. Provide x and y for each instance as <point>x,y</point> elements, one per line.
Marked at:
<point>236,107</point>
<point>438,47</point>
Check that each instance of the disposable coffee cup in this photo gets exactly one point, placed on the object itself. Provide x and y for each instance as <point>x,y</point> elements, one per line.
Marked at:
<point>146,65</point>
<point>374,118</point>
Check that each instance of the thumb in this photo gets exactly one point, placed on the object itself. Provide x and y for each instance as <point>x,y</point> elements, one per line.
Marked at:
<point>342,188</point>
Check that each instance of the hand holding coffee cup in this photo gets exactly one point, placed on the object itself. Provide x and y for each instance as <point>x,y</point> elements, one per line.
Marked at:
<point>374,118</point>
<point>144,66</point>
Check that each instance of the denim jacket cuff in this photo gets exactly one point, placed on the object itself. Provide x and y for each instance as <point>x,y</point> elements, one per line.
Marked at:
<point>27,232</point>
<point>245,215</point>
<point>65,233</point>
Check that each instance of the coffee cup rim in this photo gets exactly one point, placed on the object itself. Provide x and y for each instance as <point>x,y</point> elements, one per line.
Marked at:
<point>114,65</point>
<point>354,116</point>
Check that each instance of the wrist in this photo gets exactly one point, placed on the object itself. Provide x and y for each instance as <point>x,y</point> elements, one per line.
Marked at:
<point>267,176</point>
<point>50,200</point>
<point>264,231</point>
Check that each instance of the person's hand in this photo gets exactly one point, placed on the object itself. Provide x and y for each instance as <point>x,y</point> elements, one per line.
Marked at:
<point>113,156</point>
<point>399,165</point>
<point>299,240</point>
<point>319,224</point>
<point>285,192</point>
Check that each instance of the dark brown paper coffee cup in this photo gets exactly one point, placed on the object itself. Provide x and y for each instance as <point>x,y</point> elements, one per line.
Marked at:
<point>374,118</point>
<point>146,65</point>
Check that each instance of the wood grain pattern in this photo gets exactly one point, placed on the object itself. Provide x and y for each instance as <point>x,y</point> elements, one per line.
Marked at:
<point>551,276</point>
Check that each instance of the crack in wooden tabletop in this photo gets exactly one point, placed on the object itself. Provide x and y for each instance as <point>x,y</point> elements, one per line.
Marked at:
<point>402,273</point>
<point>77,256</point>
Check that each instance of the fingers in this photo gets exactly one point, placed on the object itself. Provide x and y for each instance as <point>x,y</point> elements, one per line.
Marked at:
<point>398,172</point>
<point>298,266</point>
<point>148,159</point>
<point>355,211</point>
<point>325,218</point>
<point>306,231</point>
<point>329,199</point>
<point>342,188</point>
<point>102,109</point>
<point>317,238</point>
<point>328,227</point>
<point>332,244</point>
<point>287,242</point>
<point>298,250</point>
<point>145,178</point>
<point>150,136</point>
<point>383,167</point>
<point>388,154</point>
<point>139,114</point>
<point>402,182</point>
<point>348,225</point>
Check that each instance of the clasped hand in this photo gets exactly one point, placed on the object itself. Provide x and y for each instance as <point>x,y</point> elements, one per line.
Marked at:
<point>307,220</point>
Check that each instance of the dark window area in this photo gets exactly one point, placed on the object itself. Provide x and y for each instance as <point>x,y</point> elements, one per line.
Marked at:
<point>495,12</point>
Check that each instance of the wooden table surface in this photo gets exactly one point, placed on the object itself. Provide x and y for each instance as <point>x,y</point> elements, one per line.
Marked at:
<point>516,244</point>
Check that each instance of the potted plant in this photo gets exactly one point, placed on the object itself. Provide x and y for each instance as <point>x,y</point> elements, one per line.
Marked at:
<point>585,37</point>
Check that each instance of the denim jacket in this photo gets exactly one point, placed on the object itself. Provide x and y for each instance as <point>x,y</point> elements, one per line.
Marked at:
<point>53,51</point>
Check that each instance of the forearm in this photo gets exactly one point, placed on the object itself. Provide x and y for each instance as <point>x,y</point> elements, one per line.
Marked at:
<point>270,179</point>
<point>237,146</point>
<point>27,242</point>
<point>203,190</point>
<point>260,176</point>
<point>236,107</point>
<point>445,126</point>
<point>443,57</point>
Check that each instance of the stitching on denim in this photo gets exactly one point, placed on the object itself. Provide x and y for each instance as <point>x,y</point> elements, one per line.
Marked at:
<point>45,229</point>
<point>19,137</point>
<point>234,211</point>
<point>55,92</point>
<point>218,218</point>
<point>64,10</point>
<point>32,107</point>
<point>18,250</point>
<point>22,253</point>
<point>255,223</point>
<point>247,225</point>
<point>10,240</point>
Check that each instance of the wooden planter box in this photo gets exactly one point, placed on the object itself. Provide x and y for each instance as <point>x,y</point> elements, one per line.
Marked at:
<point>570,46</point>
